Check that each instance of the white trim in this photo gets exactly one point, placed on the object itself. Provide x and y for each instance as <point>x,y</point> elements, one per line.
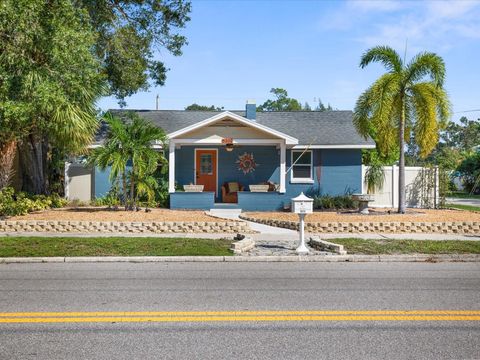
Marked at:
<point>366,146</point>
<point>302,181</point>
<point>195,167</point>
<point>227,114</point>
<point>171,167</point>
<point>218,141</point>
<point>294,180</point>
<point>283,175</point>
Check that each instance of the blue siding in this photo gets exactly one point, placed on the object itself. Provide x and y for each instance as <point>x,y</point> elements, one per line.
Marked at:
<point>268,201</point>
<point>341,171</point>
<point>266,157</point>
<point>192,200</point>
<point>102,182</point>
<point>335,172</point>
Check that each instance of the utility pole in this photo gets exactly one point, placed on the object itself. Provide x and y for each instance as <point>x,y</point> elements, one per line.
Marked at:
<point>156,102</point>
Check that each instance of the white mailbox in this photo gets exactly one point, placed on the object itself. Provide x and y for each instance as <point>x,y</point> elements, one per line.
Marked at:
<point>302,204</point>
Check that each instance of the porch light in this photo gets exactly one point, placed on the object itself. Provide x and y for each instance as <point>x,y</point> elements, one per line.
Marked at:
<point>228,144</point>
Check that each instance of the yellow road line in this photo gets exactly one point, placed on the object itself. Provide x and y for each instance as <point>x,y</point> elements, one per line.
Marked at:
<point>244,318</point>
<point>237,313</point>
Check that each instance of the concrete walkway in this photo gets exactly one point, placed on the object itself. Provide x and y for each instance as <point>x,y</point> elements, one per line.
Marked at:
<point>265,232</point>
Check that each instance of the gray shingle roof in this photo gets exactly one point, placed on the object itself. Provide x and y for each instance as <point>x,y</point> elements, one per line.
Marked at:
<point>309,127</point>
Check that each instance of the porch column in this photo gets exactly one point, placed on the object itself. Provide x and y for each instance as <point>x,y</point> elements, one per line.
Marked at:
<point>283,156</point>
<point>171,166</point>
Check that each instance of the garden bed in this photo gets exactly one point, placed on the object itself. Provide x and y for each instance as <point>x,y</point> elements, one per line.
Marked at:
<point>102,214</point>
<point>100,220</point>
<point>376,215</point>
<point>379,221</point>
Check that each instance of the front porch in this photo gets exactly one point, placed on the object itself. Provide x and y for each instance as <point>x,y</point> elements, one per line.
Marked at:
<point>247,201</point>
<point>227,155</point>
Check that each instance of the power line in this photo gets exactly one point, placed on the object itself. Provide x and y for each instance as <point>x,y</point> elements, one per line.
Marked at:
<point>465,111</point>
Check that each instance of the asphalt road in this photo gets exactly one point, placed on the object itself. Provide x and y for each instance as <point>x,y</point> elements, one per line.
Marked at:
<point>265,291</point>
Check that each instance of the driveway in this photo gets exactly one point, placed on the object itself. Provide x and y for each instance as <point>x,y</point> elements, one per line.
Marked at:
<point>458,201</point>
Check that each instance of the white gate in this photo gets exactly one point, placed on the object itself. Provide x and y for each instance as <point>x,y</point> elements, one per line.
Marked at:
<point>421,187</point>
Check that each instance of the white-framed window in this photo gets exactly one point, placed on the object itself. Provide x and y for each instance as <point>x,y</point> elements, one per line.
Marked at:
<point>302,170</point>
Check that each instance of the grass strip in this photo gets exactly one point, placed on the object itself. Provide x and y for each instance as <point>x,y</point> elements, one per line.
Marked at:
<point>464,207</point>
<point>462,195</point>
<point>111,246</point>
<point>395,247</point>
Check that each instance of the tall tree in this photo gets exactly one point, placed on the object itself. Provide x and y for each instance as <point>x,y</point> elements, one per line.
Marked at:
<point>281,102</point>
<point>196,107</point>
<point>130,33</point>
<point>322,107</point>
<point>49,82</point>
<point>408,99</point>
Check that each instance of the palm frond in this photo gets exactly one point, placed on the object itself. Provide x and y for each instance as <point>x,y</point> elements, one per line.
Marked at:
<point>385,55</point>
<point>374,112</point>
<point>426,64</point>
<point>426,127</point>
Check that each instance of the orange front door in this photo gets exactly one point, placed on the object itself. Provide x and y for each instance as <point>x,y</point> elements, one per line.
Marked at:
<point>206,169</point>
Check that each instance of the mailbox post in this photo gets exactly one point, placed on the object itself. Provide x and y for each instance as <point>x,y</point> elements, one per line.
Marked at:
<point>302,205</point>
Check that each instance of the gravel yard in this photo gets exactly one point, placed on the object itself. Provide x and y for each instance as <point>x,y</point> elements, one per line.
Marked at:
<point>101,214</point>
<point>376,215</point>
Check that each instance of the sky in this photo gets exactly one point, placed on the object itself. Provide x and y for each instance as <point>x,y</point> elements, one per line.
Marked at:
<point>239,50</point>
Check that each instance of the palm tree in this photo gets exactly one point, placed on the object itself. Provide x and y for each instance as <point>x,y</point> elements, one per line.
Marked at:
<point>114,153</point>
<point>128,152</point>
<point>407,100</point>
<point>144,158</point>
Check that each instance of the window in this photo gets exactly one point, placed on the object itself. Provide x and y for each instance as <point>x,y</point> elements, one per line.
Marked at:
<point>206,164</point>
<point>302,170</point>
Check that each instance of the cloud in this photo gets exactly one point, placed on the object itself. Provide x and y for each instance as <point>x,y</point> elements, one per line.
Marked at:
<point>435,25</point>
<point>375,5</point>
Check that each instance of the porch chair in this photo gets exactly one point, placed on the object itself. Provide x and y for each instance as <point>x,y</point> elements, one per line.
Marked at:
<point>230,190</point>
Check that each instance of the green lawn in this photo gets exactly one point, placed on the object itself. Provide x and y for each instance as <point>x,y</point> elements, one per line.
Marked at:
<point>111,246</point>
<point>384,246</point>
<point>463,207</point>
<point>462,195</point>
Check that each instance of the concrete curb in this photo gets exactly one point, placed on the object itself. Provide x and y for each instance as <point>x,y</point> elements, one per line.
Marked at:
<point>294,258</point>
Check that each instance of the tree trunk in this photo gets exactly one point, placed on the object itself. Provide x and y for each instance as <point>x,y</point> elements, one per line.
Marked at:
<point>124,185</point>
<point>33,163</point>
<point>401,165</point>
<point>7,156</point>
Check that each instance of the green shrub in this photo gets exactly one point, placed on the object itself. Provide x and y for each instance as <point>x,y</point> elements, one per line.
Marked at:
<point>13,204</point>
<point>112,199</point>
<point>328,202</point>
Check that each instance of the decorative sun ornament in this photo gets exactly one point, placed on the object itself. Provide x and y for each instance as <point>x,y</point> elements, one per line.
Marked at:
<point>246,163</point>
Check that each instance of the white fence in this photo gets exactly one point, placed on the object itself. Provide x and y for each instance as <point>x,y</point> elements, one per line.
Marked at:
<point>421,187</point>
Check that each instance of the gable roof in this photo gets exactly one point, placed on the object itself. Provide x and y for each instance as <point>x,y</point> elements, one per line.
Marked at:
<point>328,128</point>
<point>244,121</point>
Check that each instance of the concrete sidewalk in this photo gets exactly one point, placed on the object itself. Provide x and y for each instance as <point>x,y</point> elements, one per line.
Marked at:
<point>260,236</point>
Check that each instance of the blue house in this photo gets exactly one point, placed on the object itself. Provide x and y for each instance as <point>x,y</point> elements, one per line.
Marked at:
<point>257,160</point>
